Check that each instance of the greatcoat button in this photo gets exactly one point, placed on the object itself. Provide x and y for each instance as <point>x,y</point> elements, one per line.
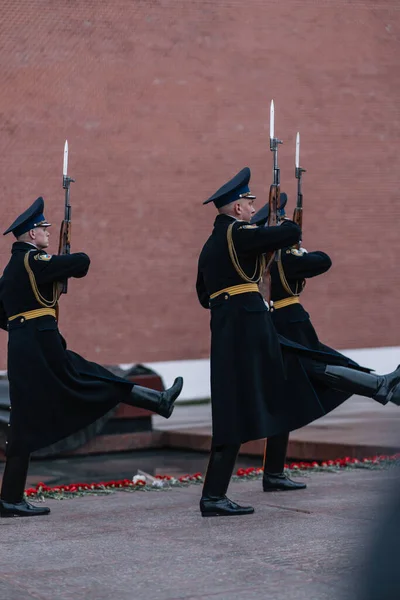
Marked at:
<point>226,296</point>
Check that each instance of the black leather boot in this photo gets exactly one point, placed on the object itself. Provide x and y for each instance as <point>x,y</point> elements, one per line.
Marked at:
<point>214,502</point>
<point>161,403</point>
<point>274,478</point>
<point>12,503</point>
<point>382,388</point>
<point>279,482</point>
<point>21,509</point>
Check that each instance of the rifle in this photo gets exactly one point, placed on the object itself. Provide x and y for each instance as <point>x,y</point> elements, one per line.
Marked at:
<point>65,231</point>
<point>274,200</point>
<point>298,211</point>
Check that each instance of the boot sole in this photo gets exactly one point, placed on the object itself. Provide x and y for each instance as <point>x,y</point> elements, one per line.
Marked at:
<point>14,515</point>
<point>284,490</point>
<point>219,514</point>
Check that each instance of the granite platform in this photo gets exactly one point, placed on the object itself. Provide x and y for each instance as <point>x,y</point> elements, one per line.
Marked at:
<point>360,427</point>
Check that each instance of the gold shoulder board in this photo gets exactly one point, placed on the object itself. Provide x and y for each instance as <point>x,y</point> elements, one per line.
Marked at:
<point>45,257</point>
<point>297,252</point>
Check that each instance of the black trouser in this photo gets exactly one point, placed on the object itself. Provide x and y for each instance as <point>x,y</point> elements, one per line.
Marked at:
<point>275,454</point>
<point>14,478</point>
<point>219,470</point>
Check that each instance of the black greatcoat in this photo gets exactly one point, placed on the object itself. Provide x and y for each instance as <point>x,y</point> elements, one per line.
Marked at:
<point>54,392</point>
<point>294,323</point>
<point>251,395</point>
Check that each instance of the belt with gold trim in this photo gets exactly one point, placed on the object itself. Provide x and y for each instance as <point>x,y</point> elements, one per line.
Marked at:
<point>277,304</point>
<point>34,314</point>
<point>233,290</point>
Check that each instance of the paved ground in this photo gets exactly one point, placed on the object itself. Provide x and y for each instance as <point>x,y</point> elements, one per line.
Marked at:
<point>307,545</point>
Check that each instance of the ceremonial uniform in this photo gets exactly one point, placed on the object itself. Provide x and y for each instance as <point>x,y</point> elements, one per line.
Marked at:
<point>289,272</point>
<point>250,393</point>
<point>54,392</point>
<point>262,384</point>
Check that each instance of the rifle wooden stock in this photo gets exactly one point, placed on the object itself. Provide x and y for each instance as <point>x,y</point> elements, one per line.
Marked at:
<point>298,216</point>
<point>298,219</point>
<point>65,238</point>
<point>64,248</point>
<point>274,198</point>
<point>298,211</point>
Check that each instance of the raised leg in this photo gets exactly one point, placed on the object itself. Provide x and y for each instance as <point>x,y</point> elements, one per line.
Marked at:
<point>160,402</point>
<point>382,388</point>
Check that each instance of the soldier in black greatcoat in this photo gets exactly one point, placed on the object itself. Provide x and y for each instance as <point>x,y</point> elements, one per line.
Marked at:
<point>288,278</point>
<point>261,383</point>
<point>54,392</point>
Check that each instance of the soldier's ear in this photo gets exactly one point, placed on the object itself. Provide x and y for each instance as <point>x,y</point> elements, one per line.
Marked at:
<point>238,208</point>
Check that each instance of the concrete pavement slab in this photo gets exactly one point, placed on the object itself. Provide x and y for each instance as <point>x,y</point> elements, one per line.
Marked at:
<point>155,545</point>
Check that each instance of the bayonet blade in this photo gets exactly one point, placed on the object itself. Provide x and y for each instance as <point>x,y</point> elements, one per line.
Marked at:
<point>297,160</point>
<point>65,165</point>
<point>272,121</point>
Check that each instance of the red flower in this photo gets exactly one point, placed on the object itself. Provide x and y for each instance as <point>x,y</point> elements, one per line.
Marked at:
<point>345,462</point>
<point>42,487</point>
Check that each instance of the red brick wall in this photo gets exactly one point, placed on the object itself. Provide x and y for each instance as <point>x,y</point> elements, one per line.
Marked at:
<point>161,102</point>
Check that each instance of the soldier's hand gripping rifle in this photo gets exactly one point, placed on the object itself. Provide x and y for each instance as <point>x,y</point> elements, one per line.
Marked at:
<point>65,232</point>
<point>274,201</point>
<point>298,211</point>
